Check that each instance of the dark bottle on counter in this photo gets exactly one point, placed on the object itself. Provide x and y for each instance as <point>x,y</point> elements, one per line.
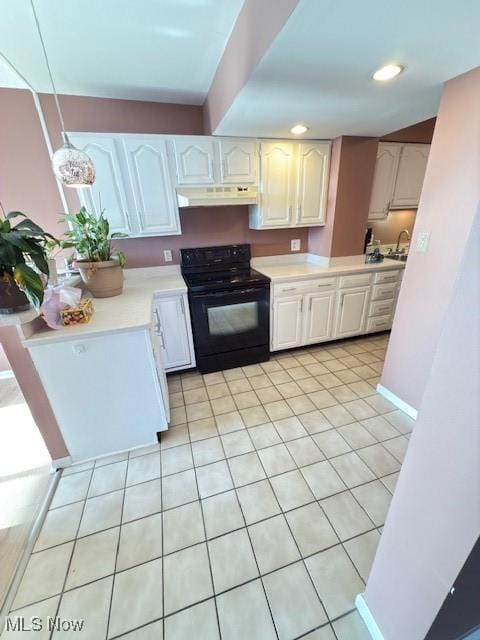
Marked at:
<point>368,239</point>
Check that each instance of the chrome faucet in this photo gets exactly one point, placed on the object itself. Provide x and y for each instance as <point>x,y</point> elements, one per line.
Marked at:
<point>399,236</point>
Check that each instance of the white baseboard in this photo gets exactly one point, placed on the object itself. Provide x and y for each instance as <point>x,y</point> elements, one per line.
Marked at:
<point>367,617</point>
<point>398,402</point>
<point>5,375</point>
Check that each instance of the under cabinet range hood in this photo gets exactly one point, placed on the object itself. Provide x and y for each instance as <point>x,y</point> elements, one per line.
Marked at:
<point>216,196</point>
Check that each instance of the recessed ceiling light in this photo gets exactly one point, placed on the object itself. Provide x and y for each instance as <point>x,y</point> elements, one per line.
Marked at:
<point>298,129</point>
<point>387,72</point>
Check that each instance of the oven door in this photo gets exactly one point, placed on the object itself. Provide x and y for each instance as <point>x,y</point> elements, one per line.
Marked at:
<point>229,320</point>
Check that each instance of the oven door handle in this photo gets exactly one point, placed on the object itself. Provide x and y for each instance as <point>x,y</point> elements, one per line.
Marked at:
<point>225,294</point>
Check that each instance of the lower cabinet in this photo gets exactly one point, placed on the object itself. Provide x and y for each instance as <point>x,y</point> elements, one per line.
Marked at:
<point>174,330</point>
<point>287,322</point>
<point>352,306</point>
<point>330,308</point>
<point>302,319</point>
<point>320,309</point>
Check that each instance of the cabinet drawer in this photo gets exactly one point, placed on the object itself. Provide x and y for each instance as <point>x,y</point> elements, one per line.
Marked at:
<point>383,277</point>
<point>357,280</point>
<point>303,286</point>
<point>379,323</point>
<point>381,308</point>
<point>383,291</point>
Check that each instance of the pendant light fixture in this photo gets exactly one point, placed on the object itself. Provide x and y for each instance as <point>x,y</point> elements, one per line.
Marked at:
<point>71,166</point>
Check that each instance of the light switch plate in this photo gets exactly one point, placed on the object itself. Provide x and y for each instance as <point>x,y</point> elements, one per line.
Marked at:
<point>422,241</point>
<point>167,255</point>
<point>295,245</point>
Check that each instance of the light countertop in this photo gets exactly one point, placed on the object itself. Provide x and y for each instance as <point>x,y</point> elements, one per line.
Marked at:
<point>285,272</point>
<point>127,312</point>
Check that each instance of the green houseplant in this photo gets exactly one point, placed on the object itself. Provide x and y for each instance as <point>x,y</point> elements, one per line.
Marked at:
<point>100,265</point>
<point>22,243</point>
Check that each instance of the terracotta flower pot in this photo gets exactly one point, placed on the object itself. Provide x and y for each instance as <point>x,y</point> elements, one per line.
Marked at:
<point>12,299</point>
<point>103,279</point>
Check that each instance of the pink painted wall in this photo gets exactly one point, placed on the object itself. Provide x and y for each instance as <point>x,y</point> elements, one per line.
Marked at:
<point>32,389</point>
<point>434,518</point>
<point>208,226</point>
<point>351,179</point>
<point>449,200</point>
<point>26,179</point>
<point>257,25</point>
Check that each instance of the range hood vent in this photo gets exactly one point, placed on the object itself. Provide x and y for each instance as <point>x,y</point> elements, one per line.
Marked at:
<point>216,196</point>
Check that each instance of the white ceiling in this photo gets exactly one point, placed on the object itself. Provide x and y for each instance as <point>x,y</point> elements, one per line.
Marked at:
<point>161,50</point>
<point>318,69</point>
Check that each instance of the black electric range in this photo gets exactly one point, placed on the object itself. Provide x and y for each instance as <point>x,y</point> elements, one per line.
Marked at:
<point>229,305</point>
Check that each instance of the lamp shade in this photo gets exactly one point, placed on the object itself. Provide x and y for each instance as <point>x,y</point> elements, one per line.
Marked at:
<point>73,167</point>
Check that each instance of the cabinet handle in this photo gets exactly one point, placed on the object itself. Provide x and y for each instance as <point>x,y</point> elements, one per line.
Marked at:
<point>299,212</point>
<point>182,303</point>
<point>162,339</point>
<point>290,289</point>
<point>158,330</point>
<point>310,304</point>
<point>301,305</point>
<point>328,284</point>
<point>290,211</point>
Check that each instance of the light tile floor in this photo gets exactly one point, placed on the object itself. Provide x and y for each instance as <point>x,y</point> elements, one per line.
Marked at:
<point>257,516</point>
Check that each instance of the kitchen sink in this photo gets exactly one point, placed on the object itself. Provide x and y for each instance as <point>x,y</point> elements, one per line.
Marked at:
<point>401,257</point>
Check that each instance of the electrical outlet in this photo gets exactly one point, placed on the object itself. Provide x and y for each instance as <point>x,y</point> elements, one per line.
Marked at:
<point>167,255</point>
<point>422,241</point>
<point>295,245</point>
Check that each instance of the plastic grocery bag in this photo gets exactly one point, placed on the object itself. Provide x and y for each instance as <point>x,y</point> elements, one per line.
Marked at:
<point>57,298</point>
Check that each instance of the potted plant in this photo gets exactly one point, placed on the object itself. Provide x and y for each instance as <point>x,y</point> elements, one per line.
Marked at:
<point>100,265</point>
<point>20,284</point>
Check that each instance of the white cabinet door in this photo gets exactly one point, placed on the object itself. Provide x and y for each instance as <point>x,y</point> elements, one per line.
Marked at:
<point>153,190</point>
<point>313,161</point>
<point>155,336</point>
<point>194,160</point>
<point>238,161</point>
<point>319,317</point>
<point>173,325</point>
<point>277,164</point>
<point>411,172</point>
<point>108,191</point>
<point>388,156</point>
<point>352,305</point>
<point>287,322</point>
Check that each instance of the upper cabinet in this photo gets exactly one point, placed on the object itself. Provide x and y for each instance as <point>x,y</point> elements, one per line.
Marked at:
<point>204,160</point>
<point>195,160</point>
<point>238,161</point>
<point>410,175</point>
<point>293,185</point>
<point>133,183</point>
<point>109,189</point>
<point>398,179</point>
<point>313,163</point>
<point>154,199</point>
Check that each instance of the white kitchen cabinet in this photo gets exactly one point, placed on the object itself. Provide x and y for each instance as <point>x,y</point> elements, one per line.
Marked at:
<point>410,175</point>
<point>173,327</point>
<point>320,308</point>
<point>195,160</point>
<point>153,194</point>
<point>293,185</point>
<point>313,164</point>
<point>352,307</point>
<point>398,179</point>
<point>238,161</point>
<point>287,326</point>
<point>277,185</point>
<point>386,166</point>
<point>109,191</point>
<point>105,391</point>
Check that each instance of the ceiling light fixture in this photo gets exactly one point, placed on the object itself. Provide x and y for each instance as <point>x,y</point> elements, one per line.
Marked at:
<point>71,166</point>
<point>298,129</point>
<point>387,72</point>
